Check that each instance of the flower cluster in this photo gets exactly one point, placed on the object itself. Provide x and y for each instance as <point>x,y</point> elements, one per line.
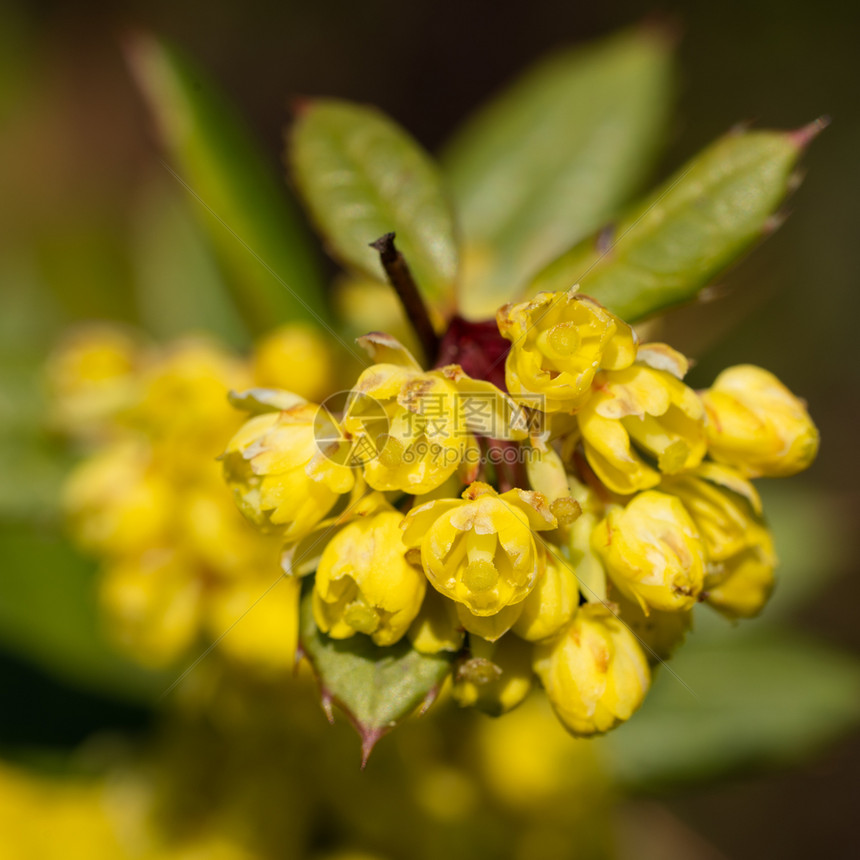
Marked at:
<point>179,565</point>
<point>567,514</point>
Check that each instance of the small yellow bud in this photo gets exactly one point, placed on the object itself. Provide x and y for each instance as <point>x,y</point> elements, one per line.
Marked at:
<point>594,671</point>
<point>489,627</point>
<point>480,550</point>
<point>118,501</point>
<point>659,633</point>
<point>278,473</point>
<point>295,357</point>
<point>412,426</point>
<point>647,409</point>
<point>436,627</point>
<point>552,601</point>
<point>263,633</point>
<point>558,342</point>
<point>183,400</point>
<point>653,552</point>
<point>91,378</point>
<point>757,425</point>
<point>726,510</point>
<point>496,678</point>
<point>364,584</point>
<point>740,586</point>
<point>153,603</point>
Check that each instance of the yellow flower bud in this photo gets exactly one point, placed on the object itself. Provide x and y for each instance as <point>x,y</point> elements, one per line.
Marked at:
<point>594,671</point>
<point>552,601</point>
<point>724,507</point>
<point>726,510</point>
<point>411,424</point>
<point>264,633</point>
<point>118,502</point>
<point>659,633</point>
<point>364,584</point>
<point>653,552</point>
<point>279,475</point>
<point>647,409</point>
<point>153,604</point>
<point>183,402</point>
<point>496,678</point>
<point>480,550</point>
<point>91,378</point>
<point>436,627</point>
<point>295,357</point>
<point>740,586</point>
<point>489,627</point>
<point>558,342</point>
<point>757,425</point>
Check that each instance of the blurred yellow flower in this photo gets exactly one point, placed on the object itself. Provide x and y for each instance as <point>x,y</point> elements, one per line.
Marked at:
<point>297,358</point>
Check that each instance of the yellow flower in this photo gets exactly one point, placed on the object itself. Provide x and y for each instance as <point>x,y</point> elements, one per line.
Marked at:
<point>490,627</point>
<point>436,627</point>
<point>364,584</point>
<point>726,510</point>
<point>408,428</point>
<point>118,501</point>
<point>295,357</point>
<point>653,552</point>
<point>480,550</point>
<point>552,601</point>
<point>558,342</point>
<point>183,399</point>
<point>659,633</point>
<point>496,677</point>
<point>281,475</point>
<point>91,378</point>
<point>643,408</point>
<point>594,672</point>
<point>153,604</point>
<point>723,504</point>
<point>757,425</point>
<point>740,586</point>
<point>262,632</point>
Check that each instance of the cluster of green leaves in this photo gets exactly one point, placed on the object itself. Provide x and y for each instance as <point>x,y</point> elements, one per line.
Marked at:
<point>519,202</point>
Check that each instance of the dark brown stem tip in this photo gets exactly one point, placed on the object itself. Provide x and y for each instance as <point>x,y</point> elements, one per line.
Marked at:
<point>385,245</point>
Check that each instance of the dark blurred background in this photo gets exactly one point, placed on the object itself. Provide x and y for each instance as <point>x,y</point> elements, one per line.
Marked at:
<point>76,147</point>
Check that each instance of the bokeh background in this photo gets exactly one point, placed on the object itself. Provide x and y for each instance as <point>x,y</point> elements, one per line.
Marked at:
<point>78,161</point>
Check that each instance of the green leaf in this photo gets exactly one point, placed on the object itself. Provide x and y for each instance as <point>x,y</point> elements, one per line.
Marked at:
<point>553,157</point>
<point>671,245</point>
<point>49,614</point>
<point>759,698</point>
<point>178,286</point>
<point>362,176</point>
<point>240,198</point>
<point>376,687</point>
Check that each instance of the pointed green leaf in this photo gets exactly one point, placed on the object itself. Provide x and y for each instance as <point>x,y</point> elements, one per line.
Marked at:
<point>241,200</point>
<point>376,687</point>
<point>750,699</point>
<point>702,219</point>
<point>554,156</point>
<point>362,176</point>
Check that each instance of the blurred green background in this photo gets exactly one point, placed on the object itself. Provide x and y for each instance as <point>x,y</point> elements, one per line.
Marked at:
<point>78,165</point>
